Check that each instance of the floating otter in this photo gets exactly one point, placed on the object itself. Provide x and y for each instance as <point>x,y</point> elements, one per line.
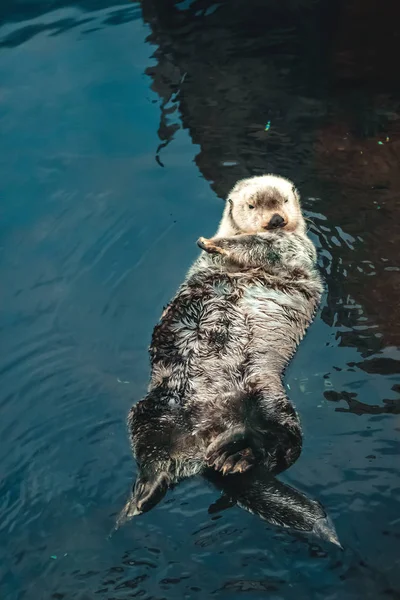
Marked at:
<point>216,404</point>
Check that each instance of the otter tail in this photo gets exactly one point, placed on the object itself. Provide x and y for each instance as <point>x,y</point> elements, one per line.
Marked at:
<point>275,502</point>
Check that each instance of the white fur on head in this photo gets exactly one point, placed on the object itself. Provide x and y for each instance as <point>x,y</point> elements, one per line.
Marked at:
<point>254,201</point>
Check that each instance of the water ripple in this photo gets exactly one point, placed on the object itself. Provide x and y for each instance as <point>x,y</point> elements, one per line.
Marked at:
<point>95,237</point>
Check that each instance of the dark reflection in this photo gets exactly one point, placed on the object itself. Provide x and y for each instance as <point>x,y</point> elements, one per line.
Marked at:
<point>235,68</point>
<point>356,407</point>
<point>383,366</point>
<point>334,113</point>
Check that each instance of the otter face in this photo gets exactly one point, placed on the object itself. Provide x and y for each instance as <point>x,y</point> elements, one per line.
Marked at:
<point>265,203</point>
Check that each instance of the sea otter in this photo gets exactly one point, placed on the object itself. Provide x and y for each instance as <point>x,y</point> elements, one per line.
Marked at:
<point>216,404</point>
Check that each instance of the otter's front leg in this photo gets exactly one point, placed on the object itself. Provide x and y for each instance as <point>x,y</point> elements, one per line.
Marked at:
<point>212,246</point>
<point>243,250</point>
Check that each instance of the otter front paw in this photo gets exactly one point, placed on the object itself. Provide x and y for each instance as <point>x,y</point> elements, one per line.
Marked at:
<point>211,246</point>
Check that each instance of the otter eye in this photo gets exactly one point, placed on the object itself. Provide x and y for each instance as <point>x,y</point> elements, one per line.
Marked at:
<point>286,200</point>
<point>251,206</point>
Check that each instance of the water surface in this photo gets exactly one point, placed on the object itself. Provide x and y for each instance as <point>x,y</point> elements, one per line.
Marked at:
<point>122,128</point>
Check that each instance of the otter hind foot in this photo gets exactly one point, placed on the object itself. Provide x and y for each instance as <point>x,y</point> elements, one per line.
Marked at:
<point>146,493</point>
<point>228,464</point>
<point>210,246</point>
<point>230,453</point>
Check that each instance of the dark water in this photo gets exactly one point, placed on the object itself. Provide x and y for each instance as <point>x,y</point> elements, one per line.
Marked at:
<point>121,128</point>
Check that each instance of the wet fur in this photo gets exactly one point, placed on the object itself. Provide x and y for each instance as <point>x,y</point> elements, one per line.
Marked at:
<point>216,400</point>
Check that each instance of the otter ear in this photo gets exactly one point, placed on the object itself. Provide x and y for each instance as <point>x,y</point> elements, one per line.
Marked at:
<point>230,201</point>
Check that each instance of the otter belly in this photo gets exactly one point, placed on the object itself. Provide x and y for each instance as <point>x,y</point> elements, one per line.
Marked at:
<point>278,319</point>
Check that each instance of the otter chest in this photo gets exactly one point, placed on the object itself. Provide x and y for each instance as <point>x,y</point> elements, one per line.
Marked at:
<point>260,300</point>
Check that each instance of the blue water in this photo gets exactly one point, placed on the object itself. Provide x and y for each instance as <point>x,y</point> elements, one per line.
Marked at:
<point>121,128</point>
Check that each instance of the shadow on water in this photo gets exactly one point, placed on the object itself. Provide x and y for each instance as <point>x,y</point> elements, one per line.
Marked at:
<point>83,282</point>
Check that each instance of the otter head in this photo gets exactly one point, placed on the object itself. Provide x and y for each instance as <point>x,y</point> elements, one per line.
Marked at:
<point>266,203</point>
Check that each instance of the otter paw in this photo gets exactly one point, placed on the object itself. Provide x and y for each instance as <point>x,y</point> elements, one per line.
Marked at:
<point>229,464</point>
<point>210,247</point>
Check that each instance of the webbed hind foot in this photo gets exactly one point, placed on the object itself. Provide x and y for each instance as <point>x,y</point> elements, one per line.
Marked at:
<point>146,493</point>
<point>228,464</point>
<point>230,453</point>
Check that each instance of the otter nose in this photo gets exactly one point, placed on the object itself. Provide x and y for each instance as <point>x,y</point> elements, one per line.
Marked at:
<point>275,222</point>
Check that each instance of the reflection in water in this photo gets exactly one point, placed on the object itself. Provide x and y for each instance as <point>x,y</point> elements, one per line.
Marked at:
<point>86,267</point>
<point>361,408</point>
